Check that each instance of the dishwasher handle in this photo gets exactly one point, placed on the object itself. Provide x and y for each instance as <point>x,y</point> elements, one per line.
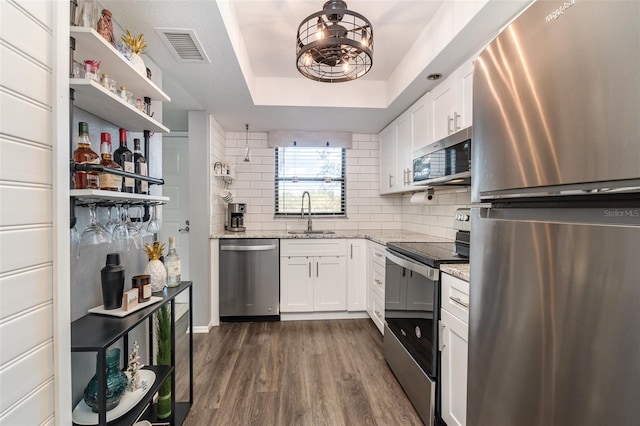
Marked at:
<point>248,248</point>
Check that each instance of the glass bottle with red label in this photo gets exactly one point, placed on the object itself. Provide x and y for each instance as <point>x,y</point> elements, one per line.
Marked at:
<point>83,154</point>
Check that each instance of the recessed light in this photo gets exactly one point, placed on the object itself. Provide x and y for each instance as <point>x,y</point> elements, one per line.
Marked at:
<point>434,76</point>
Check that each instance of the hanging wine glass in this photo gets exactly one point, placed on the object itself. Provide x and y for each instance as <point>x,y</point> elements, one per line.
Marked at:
<point>133,231</point>
<point>111,221</point>
<point>75,243</point>
<point>120,234</point>
<point>93,234</point>
<point>153,227</point>
<point>147,237</point>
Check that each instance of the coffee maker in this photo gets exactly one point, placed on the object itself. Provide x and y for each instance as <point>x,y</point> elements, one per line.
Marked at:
<point>235,217</point>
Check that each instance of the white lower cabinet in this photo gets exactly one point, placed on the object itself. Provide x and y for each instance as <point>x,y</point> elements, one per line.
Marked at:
<point>356,275</point>
<point>296,284</point>
<point>375,283</point>
<point>454,329</point>
<point>313,283</point>
<point>329,284</point>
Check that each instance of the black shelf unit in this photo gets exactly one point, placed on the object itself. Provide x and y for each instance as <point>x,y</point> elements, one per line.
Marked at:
<point>96,333</point>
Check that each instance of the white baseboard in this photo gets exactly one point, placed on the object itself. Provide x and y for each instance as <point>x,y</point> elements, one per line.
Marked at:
<point>304,316</point>
<point>201,329</point>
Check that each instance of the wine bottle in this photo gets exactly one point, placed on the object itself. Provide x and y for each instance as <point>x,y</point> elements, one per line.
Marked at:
<point>83,154</point>
<point>108,181</point>
<point>124,157</point>
<point>172,263</point>
<point>140,166</point>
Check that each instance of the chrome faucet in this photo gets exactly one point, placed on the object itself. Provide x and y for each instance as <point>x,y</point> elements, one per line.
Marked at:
<point>309,227</point>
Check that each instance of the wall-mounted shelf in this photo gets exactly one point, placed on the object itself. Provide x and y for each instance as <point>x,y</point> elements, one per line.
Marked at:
<point>91,45</point>
<point>225,178</point>
<point>89,196</point>
<point>92,97</point>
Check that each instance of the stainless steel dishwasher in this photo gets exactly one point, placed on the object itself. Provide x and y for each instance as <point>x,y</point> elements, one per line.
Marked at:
<point>249,279</point>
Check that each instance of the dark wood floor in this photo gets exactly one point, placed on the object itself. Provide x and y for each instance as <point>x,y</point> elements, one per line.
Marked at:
<point>295,373</point>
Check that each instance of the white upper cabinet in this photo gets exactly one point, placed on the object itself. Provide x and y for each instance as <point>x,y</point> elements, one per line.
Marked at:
<point>451,102</point>
<point>388,160</point>
<point>403,150</point>
<point>420,123</point>
<point>464,94</point>
<point>441,110</point>
<point>397,143</point>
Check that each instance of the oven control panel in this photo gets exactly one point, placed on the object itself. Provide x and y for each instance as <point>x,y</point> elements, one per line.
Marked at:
<point>462,220</point>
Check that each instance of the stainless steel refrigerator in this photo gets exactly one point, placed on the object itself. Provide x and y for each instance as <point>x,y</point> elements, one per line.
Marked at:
<point>555,252</point>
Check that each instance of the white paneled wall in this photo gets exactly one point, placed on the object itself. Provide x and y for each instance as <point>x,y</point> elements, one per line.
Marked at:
<point>27,129</point>
<point>255,187</point>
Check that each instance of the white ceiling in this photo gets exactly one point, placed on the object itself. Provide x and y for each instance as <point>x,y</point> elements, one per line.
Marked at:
<point>252,76</point>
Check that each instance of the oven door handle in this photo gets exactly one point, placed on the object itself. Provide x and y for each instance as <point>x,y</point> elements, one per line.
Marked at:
<point>406,262</point>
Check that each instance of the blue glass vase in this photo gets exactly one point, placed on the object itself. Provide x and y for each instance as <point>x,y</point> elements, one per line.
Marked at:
<point>116,383</point>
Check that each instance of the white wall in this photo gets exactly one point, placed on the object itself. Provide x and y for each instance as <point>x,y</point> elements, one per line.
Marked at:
<point>33,288</point>
<point>199,215</point>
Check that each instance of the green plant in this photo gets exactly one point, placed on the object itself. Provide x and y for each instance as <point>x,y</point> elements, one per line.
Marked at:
<point>163,357</point>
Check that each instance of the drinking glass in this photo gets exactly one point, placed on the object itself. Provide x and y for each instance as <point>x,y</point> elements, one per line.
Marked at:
<point>111,221</point>
<point>134,235</point>
<point>120,234</point>
<point>153,227</point>
<point>147,237</point>
<point>93,234</point>
<point>75,243</point>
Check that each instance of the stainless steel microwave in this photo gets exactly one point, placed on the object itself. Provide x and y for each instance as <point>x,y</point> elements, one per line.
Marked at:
<point>445,162</point>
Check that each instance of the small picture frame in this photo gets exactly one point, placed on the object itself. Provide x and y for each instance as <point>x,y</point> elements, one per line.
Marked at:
<point>130,299</point>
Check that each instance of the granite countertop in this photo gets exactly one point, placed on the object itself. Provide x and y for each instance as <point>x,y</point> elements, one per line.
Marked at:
<point>378,236</point>
<point>460,270</point>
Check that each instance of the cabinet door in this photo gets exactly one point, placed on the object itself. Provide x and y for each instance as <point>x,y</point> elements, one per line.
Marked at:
<point>454,369</point>
<point>356,275</point>
<point>296,284</point>
<point>441,110</point>
<point>464,96</point>
<point>404,152</point>
<point>388,176</point>
<point>329,287</point>
<point>420,124</point>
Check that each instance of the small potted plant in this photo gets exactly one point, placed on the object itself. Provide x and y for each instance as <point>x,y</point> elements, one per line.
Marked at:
<point>163,357</point>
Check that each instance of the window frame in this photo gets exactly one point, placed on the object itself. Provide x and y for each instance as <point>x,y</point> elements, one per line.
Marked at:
<point>342,179</point>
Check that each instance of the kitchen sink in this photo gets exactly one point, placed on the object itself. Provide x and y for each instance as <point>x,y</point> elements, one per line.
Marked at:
<point>310,232</point>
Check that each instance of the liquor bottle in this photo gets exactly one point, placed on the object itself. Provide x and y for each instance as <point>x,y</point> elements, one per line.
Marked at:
<point>108,181</point>
<point>83,154</point>
<point>172,263</point>
<point>140,167</point>
<point>124,157</point>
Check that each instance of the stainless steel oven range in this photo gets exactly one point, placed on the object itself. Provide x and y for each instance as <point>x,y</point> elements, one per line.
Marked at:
<point>412,307</point>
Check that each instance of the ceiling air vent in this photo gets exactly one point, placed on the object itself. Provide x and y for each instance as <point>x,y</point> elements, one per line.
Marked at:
<point>183,44</point>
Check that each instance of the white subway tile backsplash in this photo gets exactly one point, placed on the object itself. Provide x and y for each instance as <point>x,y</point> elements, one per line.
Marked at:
<point>254,185</point>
